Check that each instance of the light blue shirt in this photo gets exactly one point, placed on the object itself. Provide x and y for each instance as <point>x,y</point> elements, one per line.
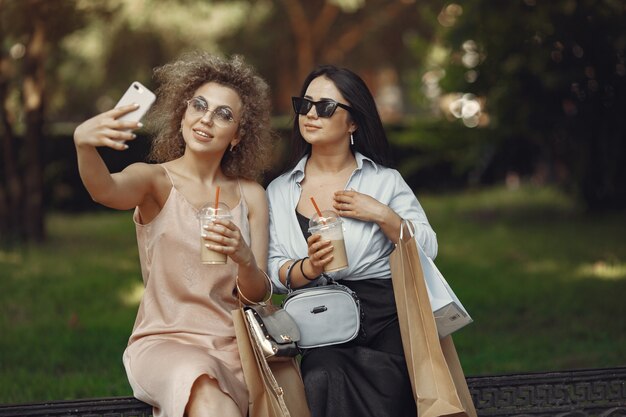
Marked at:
<point>367,247</point>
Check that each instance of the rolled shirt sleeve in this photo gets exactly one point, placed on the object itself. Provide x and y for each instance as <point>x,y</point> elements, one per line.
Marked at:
<point>406,205</point>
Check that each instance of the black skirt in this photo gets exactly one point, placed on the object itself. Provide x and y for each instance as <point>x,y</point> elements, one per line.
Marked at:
<point>368,375</point>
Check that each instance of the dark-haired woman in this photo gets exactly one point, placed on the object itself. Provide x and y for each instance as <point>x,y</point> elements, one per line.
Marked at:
<point>341,159</point>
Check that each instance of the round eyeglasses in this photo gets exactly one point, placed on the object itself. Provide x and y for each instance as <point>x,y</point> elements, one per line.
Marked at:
<point>323,108</point>
<point>221,116</point>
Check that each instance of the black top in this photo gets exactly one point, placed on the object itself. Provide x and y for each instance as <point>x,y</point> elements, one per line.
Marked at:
<point>303,221</point>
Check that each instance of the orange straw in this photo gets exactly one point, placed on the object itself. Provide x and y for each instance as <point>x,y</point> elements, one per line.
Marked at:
<point>217,197</point>
<point>319,213</point>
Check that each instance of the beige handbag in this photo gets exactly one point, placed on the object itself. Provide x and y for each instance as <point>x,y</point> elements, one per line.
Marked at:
<point>437,379</point>
<point>275,389</point>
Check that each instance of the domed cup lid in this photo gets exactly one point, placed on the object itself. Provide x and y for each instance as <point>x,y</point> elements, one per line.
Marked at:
<point>222,211</point>
<point>328,219</point>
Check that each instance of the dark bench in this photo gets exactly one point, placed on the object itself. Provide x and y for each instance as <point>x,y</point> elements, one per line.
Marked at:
<point>578,393</point>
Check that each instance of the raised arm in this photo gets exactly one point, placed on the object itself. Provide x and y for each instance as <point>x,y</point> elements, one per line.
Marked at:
<point>123,190</point>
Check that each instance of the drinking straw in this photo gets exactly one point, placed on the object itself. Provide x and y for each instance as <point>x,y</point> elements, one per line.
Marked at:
<point>217,197</point>
<point>319,213</point>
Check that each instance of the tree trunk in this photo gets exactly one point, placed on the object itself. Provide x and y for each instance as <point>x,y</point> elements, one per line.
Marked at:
<point>336,50</point>
<point>11,186</point>
<point>33,93</point>
<point>301,28</point>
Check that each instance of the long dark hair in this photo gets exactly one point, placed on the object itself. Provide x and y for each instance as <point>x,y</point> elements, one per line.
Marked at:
<point>370,138</point>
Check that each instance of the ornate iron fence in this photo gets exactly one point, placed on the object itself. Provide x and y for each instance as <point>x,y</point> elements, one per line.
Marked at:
<point>577,393</point>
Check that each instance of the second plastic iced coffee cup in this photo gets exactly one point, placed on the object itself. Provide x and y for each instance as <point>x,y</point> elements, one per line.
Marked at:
<point>207,215</point>
<point>330,227</point>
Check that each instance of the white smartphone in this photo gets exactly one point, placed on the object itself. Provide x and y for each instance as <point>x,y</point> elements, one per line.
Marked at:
<point>136,93</point>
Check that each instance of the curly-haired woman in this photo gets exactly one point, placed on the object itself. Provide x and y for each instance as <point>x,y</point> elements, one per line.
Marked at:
<point>211,119</point>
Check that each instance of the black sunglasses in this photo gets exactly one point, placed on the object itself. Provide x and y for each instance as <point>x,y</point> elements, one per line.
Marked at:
<point>323,108</point>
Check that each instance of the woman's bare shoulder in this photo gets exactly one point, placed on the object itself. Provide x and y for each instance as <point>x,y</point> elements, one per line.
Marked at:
<point>253,192</point>
<point>154,177</point>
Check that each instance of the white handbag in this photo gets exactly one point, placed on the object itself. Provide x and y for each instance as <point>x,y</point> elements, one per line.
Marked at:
<point>325,315</point>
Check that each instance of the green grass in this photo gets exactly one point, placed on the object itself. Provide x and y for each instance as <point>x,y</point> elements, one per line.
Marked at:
<point>64,317</point>
<point>544,283</point>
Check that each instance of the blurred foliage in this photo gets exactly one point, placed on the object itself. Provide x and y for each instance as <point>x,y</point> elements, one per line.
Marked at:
<point>30,32</point>
<point>285,39</point>
<point>124,40</point>
<point>553,78</point>
<point>549,75</point>
<point>435,155</point>
<point>107,53</point>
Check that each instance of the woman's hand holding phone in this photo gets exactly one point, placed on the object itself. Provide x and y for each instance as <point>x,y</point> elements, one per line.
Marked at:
<point>114,127</point>
<point>106,129</point>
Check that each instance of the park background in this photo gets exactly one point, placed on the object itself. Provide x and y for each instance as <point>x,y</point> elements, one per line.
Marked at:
<point>508,119</point>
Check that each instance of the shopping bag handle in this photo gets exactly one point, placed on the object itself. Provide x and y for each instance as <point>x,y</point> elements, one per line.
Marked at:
<point>409,226</point>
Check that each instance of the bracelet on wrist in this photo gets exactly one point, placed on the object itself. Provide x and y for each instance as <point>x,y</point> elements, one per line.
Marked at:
<point>288,277</point>
<point>302,270</point>
<point>246,299</point>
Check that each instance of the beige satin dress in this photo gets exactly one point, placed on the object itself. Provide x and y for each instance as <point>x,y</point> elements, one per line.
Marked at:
<point>183,327</point>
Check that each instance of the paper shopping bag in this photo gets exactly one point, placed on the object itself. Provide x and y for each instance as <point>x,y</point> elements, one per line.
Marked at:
<point>450,315</point>
<point>437,379</point>
<point>276,388</point>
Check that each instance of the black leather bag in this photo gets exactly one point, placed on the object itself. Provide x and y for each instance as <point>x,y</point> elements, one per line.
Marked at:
<point>274,330</point>
<point>271,328</point>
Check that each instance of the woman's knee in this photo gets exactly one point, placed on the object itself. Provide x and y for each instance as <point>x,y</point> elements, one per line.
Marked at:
<point>206,396</point>
<point>322,365</point>
<point>203,385</point>
<point>316,377</point>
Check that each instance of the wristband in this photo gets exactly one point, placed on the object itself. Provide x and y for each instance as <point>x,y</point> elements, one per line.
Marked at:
<point>302,270</point>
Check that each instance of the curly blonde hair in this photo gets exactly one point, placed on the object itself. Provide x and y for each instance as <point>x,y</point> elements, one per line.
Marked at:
<point>177,81</point>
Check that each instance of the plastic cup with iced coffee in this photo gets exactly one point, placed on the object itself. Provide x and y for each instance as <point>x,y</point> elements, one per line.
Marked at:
<point>330,226</point>
<point>207,215</point>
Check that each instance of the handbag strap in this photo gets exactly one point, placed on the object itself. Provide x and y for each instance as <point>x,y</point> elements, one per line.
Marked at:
<point>288,277</point>
<point>268,376</point>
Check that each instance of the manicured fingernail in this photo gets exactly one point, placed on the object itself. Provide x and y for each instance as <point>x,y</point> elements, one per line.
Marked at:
<point>139,124</point>
<point>125,146</point>
<point>134,136</point>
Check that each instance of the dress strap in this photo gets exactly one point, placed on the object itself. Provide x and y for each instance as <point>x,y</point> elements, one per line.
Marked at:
<point>167,172</point>
<point>241,196</point>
